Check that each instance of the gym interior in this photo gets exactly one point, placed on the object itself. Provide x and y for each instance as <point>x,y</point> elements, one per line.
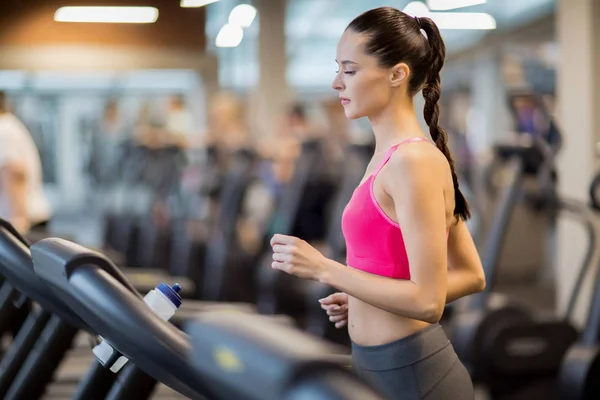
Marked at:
<point>176,137</point>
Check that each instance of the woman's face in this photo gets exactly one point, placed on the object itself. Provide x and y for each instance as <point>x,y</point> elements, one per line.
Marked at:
<point>363,86</point>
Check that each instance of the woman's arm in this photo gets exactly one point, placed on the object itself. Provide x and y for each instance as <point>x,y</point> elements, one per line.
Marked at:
<point>414,179</point>
<point>465,272</point>
<point>401,297</point>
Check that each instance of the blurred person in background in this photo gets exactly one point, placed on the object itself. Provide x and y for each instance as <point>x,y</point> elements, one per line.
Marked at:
<point>285,148</point>
<point>228,129</point>
<point>297,128</point>
<point>302,135</point>
<point>147,127</point>
<point>107,146</point>
<point>179,126</point>
<point>22,199</point>
<point>227,136</point>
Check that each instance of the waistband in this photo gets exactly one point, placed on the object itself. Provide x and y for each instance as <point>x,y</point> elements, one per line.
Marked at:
<point>402,352</point>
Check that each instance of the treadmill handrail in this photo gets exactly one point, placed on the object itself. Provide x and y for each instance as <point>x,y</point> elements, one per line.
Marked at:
<point>498,231</point>
<point>12,230</point>
<point>66,256</point>
<point>17,266</point>
<point>114,308</point>
<point>591,224</point>
<point>118,314</point>
<point>591,332</point>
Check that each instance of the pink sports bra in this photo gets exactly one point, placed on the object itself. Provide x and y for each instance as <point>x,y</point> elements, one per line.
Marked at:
<point>374,242</point>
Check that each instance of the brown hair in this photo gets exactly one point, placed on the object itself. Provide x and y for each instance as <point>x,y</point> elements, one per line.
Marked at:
<point>396,37</point>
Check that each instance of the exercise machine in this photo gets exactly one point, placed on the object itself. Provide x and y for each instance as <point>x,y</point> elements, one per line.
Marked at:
<point>46,335</point>
<point>248,357</point>
<point>579,376</point>
<point>505,345</point>
<point>228,271</point>
<point>101,296</point>
<point>42,343</point>
<point>523,256</point>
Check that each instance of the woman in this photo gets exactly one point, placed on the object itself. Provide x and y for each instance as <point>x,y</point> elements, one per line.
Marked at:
<point>408,249</point>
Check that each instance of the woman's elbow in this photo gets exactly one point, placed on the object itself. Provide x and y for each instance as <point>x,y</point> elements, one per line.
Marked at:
<point>433,312</point>
<point>480,282</point>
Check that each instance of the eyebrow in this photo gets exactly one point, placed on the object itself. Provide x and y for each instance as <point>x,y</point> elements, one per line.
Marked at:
<point>345,62</point>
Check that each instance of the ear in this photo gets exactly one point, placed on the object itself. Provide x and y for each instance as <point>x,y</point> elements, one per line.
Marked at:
<point>399,74</point>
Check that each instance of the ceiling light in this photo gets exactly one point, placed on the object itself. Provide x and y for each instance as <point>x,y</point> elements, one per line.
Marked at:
<point>416,9</point>
<point>440,5</point>
<point>229,36</point>
<point>452,20</point>
<point>242,15</point>
<point>195,3</point>
<point>458,20</point>
<point>113,15</point>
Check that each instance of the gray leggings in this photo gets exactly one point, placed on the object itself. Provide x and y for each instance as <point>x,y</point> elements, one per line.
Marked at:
<point>422,366</point>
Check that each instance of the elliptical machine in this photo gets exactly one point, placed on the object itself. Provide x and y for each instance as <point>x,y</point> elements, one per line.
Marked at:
<point>579,376</point>
<point>514,352</point>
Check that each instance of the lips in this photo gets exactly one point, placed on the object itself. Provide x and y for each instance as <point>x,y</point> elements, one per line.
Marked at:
<point>344,101</point>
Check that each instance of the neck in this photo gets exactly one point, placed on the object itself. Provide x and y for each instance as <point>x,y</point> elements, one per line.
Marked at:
<point>395,123</point>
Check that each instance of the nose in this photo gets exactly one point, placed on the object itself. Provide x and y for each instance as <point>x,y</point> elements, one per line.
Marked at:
<point>337,83</point>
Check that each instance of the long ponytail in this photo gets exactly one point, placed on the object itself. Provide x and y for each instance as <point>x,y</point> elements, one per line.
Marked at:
<point>394,37</point>
<point>431,112</point>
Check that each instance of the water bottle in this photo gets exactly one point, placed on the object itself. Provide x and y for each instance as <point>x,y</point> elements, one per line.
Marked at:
<point>164,300</point>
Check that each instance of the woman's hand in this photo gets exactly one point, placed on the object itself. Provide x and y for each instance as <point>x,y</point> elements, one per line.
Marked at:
<point>336,306</point>
<point>296,257</point>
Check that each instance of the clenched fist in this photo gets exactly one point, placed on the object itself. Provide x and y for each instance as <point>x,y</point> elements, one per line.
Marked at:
<point>296,257</point>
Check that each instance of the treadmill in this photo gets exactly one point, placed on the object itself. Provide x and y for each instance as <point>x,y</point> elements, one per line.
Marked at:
<point>46,335</point>
<point>248,357</point>
<point>101,296</point>
<point>49,331</point>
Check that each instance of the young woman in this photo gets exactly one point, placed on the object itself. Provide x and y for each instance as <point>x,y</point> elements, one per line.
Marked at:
<point>408,249</point>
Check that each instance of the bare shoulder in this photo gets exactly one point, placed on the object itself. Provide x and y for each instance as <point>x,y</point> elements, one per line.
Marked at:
<point>418,161</point>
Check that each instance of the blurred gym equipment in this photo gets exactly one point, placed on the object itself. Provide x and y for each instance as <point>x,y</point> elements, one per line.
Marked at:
<point>514,350</point>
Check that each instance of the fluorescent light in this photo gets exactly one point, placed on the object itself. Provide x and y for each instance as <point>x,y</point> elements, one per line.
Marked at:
<point>229,36</point>
<point>114,15</point>
<point>457,20</point>
<point>242,15</point>
<point>416,9</point>
<point>195,3</point>
<point>441,5</point>
<point>452,20</point>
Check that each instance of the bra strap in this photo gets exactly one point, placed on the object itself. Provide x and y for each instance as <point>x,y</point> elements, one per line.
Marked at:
<point>392,149</point>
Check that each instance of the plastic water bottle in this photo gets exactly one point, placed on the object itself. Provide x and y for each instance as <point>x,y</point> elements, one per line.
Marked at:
<point>164,300</point>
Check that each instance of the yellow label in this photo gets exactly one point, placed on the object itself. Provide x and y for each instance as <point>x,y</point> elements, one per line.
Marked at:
<point>227,359</point>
